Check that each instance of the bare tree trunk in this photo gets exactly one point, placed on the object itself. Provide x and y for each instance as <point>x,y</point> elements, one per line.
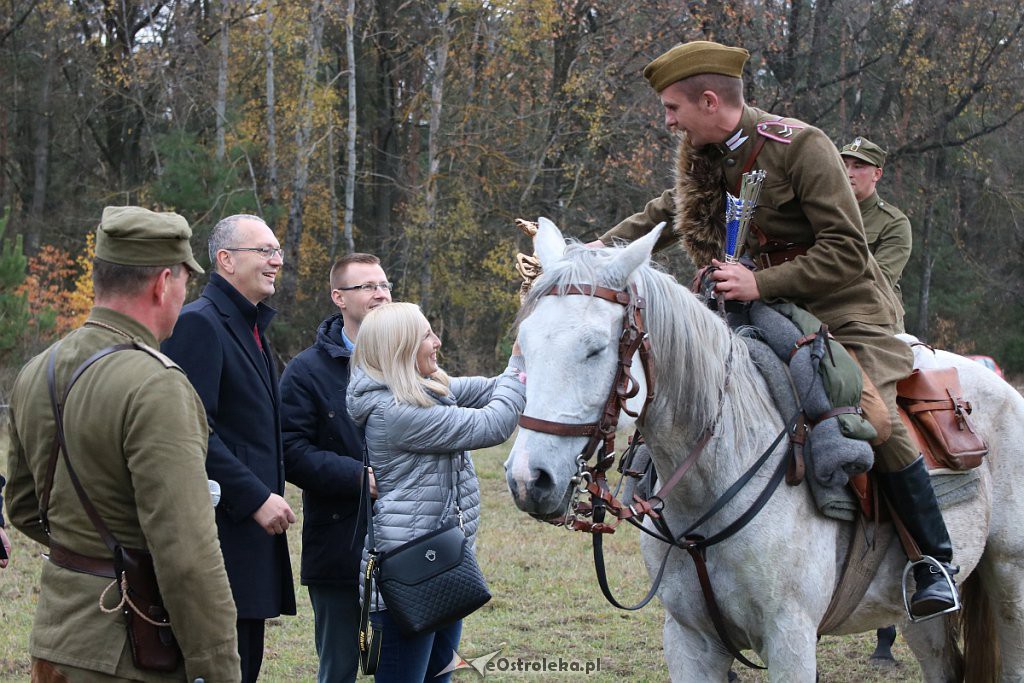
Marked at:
<point>387,128</point>
<point>332,189</point>
<point>41,149</point>
<point>303,151</point>
<point>350,146</point>
<point>220,107</point>
<point>927,249</point>
<point>433,153</point>
<point>268,49</point>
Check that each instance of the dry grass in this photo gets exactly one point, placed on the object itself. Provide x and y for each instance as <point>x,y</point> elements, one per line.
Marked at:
<point>546,605</point>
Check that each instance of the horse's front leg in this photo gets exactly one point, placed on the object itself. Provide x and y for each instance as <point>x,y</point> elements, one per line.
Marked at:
<point>788,650</point>
<point>692,657</point>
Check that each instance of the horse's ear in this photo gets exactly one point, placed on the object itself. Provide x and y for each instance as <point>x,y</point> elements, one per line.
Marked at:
<point>632,257</point>
<point>548,243</point>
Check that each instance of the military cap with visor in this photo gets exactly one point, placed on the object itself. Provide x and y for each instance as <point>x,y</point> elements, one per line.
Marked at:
<point>691,59</point>
<point>865,150</point>
<point>133,236</point>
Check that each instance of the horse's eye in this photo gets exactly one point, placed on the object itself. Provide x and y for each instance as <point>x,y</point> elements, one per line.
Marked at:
<point>594,353</point>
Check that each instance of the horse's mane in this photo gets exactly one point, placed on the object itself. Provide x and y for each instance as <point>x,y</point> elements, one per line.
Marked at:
<point>691,344</point>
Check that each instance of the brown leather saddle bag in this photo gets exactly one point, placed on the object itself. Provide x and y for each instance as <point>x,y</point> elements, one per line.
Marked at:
<point>933,402</point>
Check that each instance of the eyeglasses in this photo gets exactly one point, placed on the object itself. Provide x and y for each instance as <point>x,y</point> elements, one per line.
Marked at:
<point>266,252</point>
<point>369,287</point>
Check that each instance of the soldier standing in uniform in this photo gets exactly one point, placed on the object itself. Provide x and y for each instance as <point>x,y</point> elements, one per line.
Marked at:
<point>808,245</point>
<point>887,229</point>
<point>136,432</point>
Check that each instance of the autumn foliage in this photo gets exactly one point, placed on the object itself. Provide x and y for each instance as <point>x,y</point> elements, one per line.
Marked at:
<point>447,121</point>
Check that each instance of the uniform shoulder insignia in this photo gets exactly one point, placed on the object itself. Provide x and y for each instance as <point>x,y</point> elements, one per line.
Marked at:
<point>156,353</point>
<point>780,130</point>
<point>888,209</point>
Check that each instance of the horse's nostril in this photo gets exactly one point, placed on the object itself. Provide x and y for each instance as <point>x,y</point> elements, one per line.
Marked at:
<point>542,483</point>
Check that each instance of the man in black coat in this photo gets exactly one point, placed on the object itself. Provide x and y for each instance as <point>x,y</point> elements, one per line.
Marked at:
<point>323,456</point>
<point>219,340</point>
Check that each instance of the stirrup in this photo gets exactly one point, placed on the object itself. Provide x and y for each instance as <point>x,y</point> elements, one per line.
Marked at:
<point>929,560</point>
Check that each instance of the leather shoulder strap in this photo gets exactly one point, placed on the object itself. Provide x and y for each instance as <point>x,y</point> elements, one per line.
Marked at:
<point>159,355</point>
<point>60,443</point>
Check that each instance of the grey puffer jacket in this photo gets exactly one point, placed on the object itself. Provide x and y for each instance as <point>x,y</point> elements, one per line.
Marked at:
<point>418,453</point>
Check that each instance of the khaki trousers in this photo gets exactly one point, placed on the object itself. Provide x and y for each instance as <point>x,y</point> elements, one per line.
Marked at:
<point>885,360</point>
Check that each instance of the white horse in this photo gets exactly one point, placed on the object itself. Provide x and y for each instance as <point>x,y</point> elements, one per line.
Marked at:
<point>775,577</point>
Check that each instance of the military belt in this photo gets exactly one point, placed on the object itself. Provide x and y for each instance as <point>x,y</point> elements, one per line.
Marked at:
<point>772,254</point>
<point>69,559</point>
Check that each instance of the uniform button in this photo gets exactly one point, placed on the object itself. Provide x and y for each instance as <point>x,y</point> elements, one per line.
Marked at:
<point>330,413</point>
<point>335,516</point>
<point>730,162</point>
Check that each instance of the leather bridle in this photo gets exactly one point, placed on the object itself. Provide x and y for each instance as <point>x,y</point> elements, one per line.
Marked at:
<point>632,341</point>
<point>624,387</point>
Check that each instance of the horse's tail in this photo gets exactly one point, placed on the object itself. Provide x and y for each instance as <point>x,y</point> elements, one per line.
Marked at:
<point>981,642</point>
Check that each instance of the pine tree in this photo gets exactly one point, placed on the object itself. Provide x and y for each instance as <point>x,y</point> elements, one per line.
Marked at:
<point>14,316</point>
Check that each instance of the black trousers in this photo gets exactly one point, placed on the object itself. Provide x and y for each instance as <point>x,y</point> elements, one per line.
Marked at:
<point>250,647</point>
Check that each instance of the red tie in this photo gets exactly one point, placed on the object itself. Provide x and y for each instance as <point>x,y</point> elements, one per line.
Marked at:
<point>256,334</point>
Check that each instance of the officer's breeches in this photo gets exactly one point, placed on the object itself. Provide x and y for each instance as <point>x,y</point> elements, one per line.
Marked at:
<point>886,360</point>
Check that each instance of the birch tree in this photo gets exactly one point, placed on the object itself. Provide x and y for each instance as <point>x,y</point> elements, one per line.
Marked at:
<point>303,151</point>
<point>352,127</point>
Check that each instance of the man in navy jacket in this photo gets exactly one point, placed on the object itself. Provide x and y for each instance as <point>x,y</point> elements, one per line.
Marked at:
<point>323,456</point>
<point>219,340</point>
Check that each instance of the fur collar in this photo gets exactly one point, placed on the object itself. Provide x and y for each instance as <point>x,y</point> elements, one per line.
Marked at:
<point>699,204</point>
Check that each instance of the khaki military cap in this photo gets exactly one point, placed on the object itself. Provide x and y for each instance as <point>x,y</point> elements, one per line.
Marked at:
<point>133,236</point>
<point>690,59</point>
<point>865,150</point>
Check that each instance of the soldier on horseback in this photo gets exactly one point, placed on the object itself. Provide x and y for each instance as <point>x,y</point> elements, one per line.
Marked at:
<point>808,246</point>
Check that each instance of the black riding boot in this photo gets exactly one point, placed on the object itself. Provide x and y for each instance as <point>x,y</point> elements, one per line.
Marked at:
<point>910,492</point>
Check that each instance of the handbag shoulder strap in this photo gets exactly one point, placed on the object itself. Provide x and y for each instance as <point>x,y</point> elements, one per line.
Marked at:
<point>60,444</point>
<point>367,508</point>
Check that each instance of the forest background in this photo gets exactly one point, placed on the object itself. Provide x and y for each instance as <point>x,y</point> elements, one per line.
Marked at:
<point>420,130</point>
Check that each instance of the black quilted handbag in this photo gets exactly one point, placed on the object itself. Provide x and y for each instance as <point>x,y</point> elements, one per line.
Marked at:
<point>431,581</point>
<point>428,583</point>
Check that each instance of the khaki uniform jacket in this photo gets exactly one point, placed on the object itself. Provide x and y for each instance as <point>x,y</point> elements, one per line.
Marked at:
<point>137,433</point>
<point>889,236</point>
<point>805,199</point>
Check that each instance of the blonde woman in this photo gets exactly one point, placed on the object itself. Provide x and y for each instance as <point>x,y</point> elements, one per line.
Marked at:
<point>419,425</point>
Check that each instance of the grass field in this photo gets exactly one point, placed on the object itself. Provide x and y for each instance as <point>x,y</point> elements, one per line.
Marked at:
<point>546,605</point>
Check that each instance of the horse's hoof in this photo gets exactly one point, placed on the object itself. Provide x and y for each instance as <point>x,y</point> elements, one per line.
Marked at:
<point>732,676</point>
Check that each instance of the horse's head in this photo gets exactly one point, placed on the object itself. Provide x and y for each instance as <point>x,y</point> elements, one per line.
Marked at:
<point>571,347</point>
